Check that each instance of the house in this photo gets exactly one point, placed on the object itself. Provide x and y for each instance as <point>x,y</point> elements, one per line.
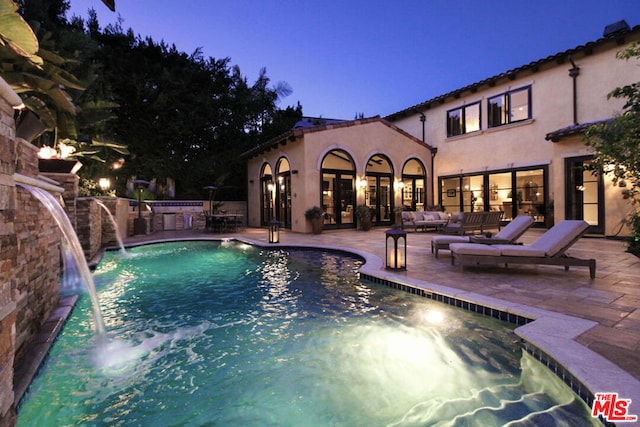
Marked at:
<point>337,165</point>
<point>510,143</point>
<point>513,142</point>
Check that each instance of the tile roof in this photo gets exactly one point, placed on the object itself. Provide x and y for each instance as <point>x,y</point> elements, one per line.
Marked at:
<point>300,131</point>
<point>619,36</point>
<point>576,129</point>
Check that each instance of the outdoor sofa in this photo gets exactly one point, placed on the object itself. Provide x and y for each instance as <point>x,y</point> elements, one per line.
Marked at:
<point>548,249</point>
<point>424,220</point>
<point>472,222</point>
<point>508,235</point>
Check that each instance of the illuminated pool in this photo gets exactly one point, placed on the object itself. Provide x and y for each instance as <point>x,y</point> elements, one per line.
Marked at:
<point>222,333</point>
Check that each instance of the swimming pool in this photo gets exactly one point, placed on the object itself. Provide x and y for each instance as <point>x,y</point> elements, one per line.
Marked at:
<point>223,333</point>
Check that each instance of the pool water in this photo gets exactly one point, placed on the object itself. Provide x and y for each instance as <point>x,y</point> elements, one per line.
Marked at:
<point>223,333</point>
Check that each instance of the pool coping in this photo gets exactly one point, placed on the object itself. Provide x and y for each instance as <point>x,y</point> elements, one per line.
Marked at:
<point>548,336</point>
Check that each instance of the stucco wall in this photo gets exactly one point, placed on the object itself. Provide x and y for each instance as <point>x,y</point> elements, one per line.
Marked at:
<point>523,144</point>
<point>361,140</point>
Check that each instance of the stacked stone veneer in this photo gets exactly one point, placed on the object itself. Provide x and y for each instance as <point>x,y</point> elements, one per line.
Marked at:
<point>8,261</point>
<point>29,260</point>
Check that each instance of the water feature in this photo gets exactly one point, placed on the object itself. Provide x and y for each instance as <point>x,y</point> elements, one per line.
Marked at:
<point>114,224</point>
<point>72,250</point>
<point>222,333</point>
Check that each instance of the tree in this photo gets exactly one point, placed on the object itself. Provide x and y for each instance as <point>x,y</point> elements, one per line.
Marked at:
<point>616,145</point>
<point>183,116</point>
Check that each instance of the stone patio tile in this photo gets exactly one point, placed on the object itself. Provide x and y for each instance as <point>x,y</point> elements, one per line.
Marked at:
<point>612,336</point>
<point>596,295</point>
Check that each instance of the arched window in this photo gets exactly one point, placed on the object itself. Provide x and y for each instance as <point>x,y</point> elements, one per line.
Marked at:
<point>266,196</point>
<point>414,190</point>
<point>379,189</point>
<point>338,189</point>
<point>283,193</point>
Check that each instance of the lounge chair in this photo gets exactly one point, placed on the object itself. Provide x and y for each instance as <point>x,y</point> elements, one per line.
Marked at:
<point>508,235</point>
<point>548,249</point>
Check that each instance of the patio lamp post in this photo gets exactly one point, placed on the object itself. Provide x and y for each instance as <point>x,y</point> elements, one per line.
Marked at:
<point>139,224</point>
<point>396,249</point>
<point>274,231</point>
<point>207,216</point>
<point>104,184</point>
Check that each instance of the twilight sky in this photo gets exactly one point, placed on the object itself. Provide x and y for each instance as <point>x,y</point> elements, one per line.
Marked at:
<point>347,57</point>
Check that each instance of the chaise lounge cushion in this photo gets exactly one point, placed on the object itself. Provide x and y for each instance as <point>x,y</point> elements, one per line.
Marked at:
<point>559,236</point>
<point>548,249</point>
<point>508,235</point>
<point>548,245</point>
<point>475,249</point>
<point>517,250</point>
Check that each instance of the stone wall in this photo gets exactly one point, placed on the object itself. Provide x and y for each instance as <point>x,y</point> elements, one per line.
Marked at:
<point>8,257</point>
<point>89,226</point>
<point>36,275</point>
<point>29,260</point>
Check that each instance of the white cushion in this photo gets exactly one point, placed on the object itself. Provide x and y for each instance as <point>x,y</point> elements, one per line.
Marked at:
<point>445,239</point>
<point>514,228</point>
<point>518,250</point>
<point>559,236</point>
<point>431,216</point>
<point>474,249</point>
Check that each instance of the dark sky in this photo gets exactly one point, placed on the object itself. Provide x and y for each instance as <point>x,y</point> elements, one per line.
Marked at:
<point>343,58</point>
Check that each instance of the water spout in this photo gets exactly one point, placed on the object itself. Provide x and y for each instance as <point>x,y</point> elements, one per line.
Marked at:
<point>75,249</point>
<point>115,226</point>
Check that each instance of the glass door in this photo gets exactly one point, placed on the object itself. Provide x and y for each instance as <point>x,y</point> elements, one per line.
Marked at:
<point>585,194</point>
<point>338,198</point>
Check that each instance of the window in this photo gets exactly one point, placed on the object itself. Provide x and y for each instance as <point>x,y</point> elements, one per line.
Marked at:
<point>514,192</point>
<point>510,107</point>
<point>463,120</point>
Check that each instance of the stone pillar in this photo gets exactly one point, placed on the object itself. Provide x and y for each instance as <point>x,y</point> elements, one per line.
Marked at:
<point>70,183</point>
<point>90,226</point>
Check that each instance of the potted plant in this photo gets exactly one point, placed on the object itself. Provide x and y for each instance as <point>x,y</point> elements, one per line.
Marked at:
<point>364,214</point>
<point>316,216</point>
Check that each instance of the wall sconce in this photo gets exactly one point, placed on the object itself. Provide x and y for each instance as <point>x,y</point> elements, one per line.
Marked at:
<point>396,248</point>
<point>398,185</point>
<point>362,183</point>
<point>274,231</point>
